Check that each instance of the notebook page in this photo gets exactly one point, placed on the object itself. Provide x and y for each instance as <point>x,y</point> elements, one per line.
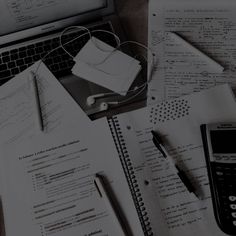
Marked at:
<point>209,27</point>
<point>183,212</point>
<point>144,190</point>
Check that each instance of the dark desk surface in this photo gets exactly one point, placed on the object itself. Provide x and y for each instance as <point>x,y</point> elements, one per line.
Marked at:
<point>134,17</point>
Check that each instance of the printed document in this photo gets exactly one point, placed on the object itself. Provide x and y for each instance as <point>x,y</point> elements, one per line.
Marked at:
<point>207,25</point>
<point>49,187</point>
<point>17,118</point>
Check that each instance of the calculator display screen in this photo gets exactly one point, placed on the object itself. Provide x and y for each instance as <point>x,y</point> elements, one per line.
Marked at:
<point>223,141</point>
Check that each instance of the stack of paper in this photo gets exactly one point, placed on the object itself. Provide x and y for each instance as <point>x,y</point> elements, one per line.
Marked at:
<point>102,64</point>
<point>47,177</point>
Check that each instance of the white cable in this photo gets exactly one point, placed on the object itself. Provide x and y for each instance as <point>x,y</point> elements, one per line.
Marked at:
<point>142,87</point>
<point>72,27</point>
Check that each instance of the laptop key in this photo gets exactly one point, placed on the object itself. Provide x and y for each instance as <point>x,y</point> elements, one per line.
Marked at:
<point>5,53</point>
<point>23,67</point>
<point>30,52</point>
<point>15,71</point>
<point>36,57</point>
<point>13,51</point>
<point>5,73</point>
<point>3,67</point>
<point>14,57</point>
<point>39,50</point>
<point>22,54</point>
<point>11,64</point>
<point>20,62</point>
<point>28,60</point>
<point>6,59</point>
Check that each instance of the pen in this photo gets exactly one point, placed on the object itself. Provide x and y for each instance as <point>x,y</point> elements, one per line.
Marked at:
<point>182,175</point>
<point>36,101</point>
<point>110,204</point>
<point>219,68</point>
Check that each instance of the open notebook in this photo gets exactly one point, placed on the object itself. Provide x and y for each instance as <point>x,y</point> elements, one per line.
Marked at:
<point>178,121</point>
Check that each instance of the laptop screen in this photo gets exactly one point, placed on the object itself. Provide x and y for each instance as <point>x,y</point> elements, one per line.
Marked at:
<point>16,15</point>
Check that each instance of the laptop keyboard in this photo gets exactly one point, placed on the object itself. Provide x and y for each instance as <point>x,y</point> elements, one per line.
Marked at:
<point>59,62</point>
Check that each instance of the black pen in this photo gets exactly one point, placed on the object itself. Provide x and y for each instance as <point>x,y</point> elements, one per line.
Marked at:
<point>182,175</point>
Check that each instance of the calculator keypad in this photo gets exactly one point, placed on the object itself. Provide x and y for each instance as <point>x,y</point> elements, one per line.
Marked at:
<point>225,191</point>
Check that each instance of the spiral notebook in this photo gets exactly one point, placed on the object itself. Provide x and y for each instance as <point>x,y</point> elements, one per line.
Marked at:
<point>163,204</point>
<point>138,176</point>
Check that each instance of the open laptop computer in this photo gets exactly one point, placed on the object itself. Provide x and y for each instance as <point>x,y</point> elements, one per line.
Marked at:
<point>29,29</point>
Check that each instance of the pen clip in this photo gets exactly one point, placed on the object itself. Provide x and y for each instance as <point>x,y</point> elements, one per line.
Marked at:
<point>96,185</point>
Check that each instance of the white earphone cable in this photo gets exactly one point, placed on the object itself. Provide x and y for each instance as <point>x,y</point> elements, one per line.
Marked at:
<point>142,87</point>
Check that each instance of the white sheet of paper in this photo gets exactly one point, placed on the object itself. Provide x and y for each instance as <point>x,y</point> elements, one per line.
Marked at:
<point>49,187</point>
<point>17,121</point>
<point>178,121</point>
<point>97,62</point>
<point>210,27</point>
<point>17,118</point>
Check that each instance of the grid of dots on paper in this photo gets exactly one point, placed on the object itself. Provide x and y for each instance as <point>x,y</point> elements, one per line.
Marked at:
<point>169,110</point>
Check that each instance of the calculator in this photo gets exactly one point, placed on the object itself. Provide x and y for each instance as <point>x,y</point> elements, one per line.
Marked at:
<point>219,141</point>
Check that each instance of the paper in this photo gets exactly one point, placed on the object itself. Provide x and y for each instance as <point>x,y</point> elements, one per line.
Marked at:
<point>209,27</point>
<point>101,64</point>
<point>132,158</point>
<point>49,187</point>
<point>178,121</point>
<point>17,118</point>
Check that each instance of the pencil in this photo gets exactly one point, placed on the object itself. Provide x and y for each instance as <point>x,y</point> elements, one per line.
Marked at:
<point>36,102</point>
<point>110,205</point>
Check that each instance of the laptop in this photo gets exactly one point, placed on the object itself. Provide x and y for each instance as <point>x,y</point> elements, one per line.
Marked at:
<point>30,29</point>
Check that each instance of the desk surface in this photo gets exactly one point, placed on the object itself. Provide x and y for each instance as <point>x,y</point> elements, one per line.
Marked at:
<point>134,17</point>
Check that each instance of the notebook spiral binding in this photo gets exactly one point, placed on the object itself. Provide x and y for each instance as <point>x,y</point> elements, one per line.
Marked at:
<point>130,175</point>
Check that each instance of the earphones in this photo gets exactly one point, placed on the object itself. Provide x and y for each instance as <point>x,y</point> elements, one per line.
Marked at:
<point>92,99</point>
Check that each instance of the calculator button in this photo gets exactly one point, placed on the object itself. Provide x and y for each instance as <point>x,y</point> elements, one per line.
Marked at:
<point>232,198</point>
<point>233,206</point>
<point>219,173</point>
<point>233,214</point>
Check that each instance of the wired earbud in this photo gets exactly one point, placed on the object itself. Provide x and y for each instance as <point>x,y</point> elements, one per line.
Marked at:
<point>103,106</point>
<point>92,99</point>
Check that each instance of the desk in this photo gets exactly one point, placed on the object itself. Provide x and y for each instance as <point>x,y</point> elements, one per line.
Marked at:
<point>134,17</point>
